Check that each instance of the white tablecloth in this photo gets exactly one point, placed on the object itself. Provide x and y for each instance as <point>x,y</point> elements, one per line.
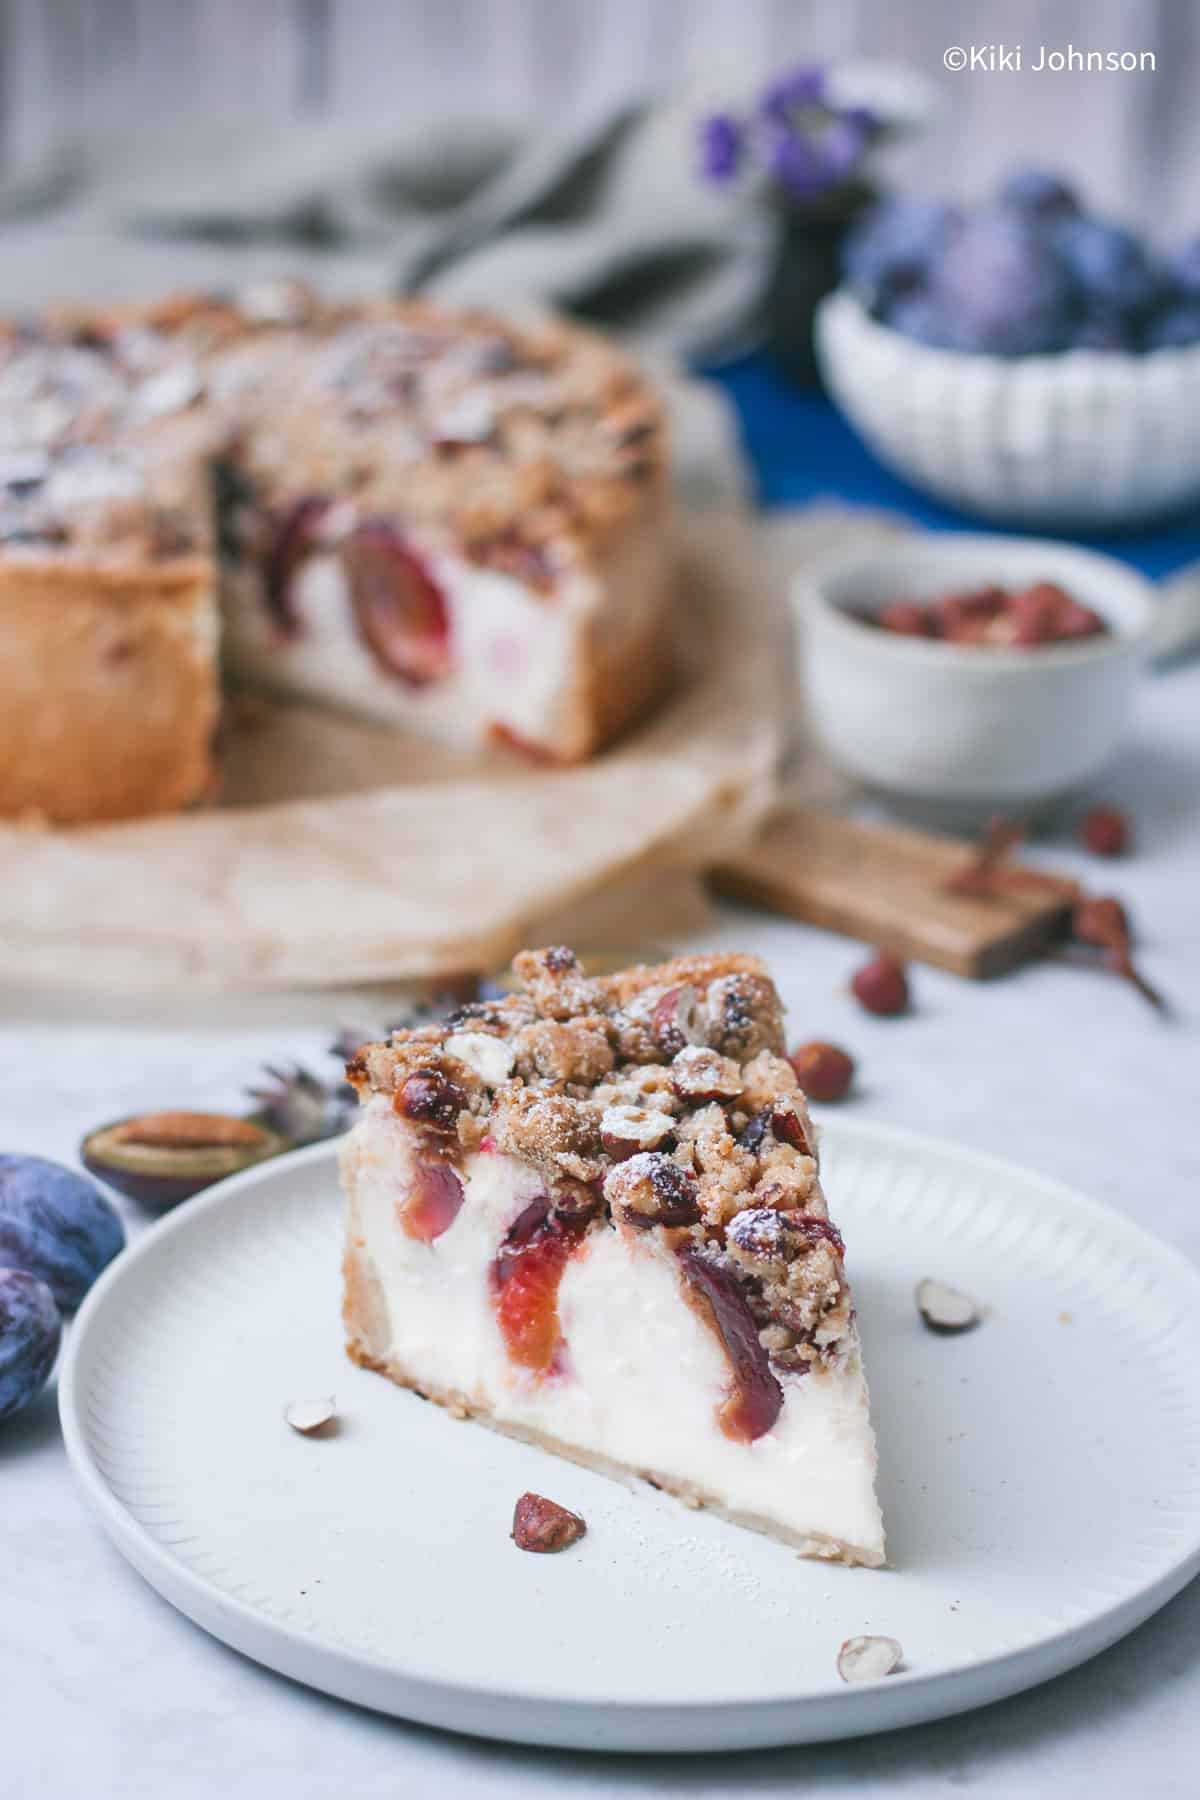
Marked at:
<point>105,1691</point>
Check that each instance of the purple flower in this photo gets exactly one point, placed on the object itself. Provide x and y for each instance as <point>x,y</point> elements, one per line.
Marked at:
<point>792,92</point>
<point>720,147</point>
<point>797,134</point>
<point>797,165</point>
<point>808,162</point>
<point>846,137</point>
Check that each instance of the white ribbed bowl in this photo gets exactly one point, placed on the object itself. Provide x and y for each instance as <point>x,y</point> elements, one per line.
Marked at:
<point>1084,438</point>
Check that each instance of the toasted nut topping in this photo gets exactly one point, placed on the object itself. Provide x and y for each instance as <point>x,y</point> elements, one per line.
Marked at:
<point>678,1020</point>
<point>491,1058</point>
<point>430,1098</point>
<point>624,1130</point>
<point>699,1074</point>
<point>653,1190</point>
<point>789,1127</point>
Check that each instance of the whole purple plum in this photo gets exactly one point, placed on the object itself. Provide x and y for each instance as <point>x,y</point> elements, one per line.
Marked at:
<point>1185,267</point>
<point>55,1224</point>
<point>30,1329</point>
<point>1005,287</point>
<point>1108,264</point>
<point>1174,328</point>
<point>892,248</point>
<point>920,317</point>
<point>1039,194</point>
<point>1100,328</point>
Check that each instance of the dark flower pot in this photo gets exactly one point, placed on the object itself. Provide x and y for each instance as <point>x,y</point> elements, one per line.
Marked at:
<point>807,266</point>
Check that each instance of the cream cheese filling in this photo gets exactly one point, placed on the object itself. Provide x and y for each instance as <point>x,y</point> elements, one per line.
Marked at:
<point>513,653</point>
<point>644,1375</point>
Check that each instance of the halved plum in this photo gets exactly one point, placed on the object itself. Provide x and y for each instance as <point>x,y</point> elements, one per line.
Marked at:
<point>525,1280</point>
<point>433,1201</point>
<point>399,609</point>
<point>296,533</point>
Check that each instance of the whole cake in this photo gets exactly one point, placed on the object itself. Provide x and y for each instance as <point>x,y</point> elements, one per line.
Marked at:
<point>591,1215</point>
<point>442,521</point>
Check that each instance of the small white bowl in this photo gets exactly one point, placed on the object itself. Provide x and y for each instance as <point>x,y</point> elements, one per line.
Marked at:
<point>1086,438</point>
<point>956,732</point>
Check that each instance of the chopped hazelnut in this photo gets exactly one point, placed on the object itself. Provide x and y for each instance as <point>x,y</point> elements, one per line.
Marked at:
<point>544,1526</point>
<point>624,1130</point>
<point>701,1075</point>
<point>654,1189</point>
<point>677,1020</point>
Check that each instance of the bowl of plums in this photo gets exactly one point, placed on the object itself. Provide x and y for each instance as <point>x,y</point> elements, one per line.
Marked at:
<point>1023,360</point>
<point>961,675</point>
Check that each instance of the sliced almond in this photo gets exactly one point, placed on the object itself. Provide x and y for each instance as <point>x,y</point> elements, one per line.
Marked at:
<point>312,1415</point>
<point>868,1658</point>
<point>945,1309</point>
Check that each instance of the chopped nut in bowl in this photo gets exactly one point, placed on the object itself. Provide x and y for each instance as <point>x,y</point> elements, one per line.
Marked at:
<point>957,715</point>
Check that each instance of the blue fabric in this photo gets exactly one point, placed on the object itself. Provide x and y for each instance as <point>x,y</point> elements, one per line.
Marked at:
<point>802,449</point>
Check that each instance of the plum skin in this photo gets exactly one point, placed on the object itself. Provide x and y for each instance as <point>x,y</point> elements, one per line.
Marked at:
<point>55,1224</point>
<point>30,1330</point>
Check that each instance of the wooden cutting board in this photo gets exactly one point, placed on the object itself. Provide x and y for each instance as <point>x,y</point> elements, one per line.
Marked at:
<point>887,886</point>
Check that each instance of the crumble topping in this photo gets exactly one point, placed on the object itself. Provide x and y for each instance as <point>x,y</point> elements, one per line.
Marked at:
<point>523,444</point>
<point>653,1099</point>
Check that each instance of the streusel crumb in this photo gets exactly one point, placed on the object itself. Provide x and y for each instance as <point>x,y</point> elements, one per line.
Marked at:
<point>656,1099</point>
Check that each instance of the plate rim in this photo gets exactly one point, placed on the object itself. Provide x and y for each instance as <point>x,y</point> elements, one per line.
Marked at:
<point>818,1714</point>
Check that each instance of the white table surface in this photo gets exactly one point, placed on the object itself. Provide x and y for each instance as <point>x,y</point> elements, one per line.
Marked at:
<point>104,1690</point>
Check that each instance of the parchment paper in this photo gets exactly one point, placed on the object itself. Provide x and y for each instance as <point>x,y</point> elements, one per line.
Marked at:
<point>343,852</point>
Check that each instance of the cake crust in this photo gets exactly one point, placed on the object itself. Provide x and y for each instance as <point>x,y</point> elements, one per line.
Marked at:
<point>110,689</point>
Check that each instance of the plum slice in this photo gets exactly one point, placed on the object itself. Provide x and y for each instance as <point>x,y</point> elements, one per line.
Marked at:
<point>398,607</point>
<point>434,1199</point>
<point>296,532</point>
<point>755,1398</point>
<point>525,1280</point>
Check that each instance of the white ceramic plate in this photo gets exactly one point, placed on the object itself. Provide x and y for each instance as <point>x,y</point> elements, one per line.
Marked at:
<point>1040,1477</point>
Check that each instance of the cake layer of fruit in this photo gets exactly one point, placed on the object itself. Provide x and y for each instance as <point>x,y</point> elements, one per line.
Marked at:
<point>592,1215</point>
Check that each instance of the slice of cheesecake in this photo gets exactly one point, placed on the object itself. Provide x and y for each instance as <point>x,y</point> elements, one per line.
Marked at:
<point>590,1214</point>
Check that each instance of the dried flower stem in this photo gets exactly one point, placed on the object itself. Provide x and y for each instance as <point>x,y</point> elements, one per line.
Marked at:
<point>981,877</point>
